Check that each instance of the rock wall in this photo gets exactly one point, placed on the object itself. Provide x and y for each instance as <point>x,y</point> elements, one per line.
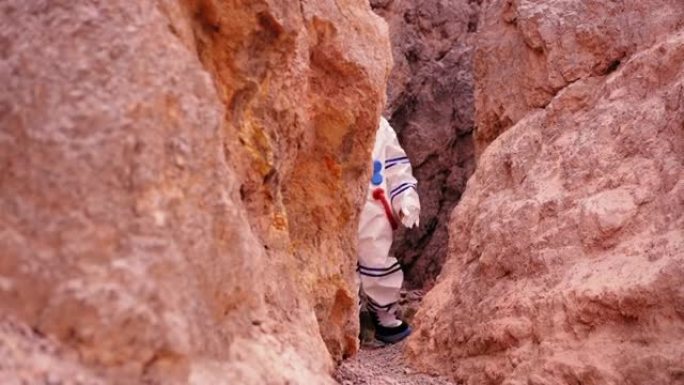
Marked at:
<point>529,50</point>
<point>179,186</point>
<point>566,259</point>
<point>303,85</point>
<point>430,105</point>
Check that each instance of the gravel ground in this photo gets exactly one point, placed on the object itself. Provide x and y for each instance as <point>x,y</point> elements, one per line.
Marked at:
<point>383,365</point>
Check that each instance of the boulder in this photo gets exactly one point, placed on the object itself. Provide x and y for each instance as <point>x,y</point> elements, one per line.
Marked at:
<point>566,258</point>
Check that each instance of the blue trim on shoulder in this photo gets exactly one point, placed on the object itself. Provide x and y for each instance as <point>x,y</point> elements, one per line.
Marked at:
<point>398,187</point>
<point>395,159</point>
<point>405,161</point>
<point>397,193</point>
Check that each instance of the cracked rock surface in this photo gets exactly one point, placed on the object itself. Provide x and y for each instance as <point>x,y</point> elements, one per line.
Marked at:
<point>566,257</point>
<point>180,184</point>
<point>529,50</point>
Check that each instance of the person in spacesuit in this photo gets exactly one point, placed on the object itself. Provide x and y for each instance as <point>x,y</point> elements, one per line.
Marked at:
<point>392,199</point>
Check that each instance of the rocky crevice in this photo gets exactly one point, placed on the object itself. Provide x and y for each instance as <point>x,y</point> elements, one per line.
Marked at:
<point>430,100</point>
<point>180,184</point>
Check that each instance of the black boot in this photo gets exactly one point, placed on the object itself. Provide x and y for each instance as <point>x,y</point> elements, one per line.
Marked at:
<point>390,334</point>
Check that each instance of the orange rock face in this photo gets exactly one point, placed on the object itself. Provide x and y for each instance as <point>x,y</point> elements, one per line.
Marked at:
<point>180,183</point>
<point>303,83</point>
<point>567,249</point>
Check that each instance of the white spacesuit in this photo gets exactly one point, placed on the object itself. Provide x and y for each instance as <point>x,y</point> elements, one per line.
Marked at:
<point>392,197</point>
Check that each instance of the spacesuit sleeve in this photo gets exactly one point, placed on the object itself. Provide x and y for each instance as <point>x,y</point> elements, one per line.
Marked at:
<point>402,187</point>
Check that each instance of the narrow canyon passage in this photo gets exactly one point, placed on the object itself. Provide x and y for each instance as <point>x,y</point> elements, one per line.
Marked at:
<point>431,106</point>
<point>181,181</point>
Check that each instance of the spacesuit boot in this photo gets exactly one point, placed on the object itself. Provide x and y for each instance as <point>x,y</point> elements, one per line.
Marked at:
<point>389,328</point>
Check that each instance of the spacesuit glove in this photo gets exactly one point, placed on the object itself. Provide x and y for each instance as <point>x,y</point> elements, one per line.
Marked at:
<point>410,210</point>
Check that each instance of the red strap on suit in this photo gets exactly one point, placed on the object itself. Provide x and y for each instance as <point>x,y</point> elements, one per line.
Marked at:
<point>379,195</point>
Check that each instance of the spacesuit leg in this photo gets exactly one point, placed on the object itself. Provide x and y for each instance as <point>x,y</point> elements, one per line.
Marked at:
<point>381,275</point>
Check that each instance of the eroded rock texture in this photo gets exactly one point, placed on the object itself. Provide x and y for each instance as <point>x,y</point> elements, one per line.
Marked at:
<point>430,105</point>
<point>567,250</point>
<point>529,50</point>
<point>302,83</point>
<point>30,358</point>
<point>180,182</point>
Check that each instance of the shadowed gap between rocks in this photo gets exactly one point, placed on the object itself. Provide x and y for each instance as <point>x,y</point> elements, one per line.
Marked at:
<point>431,106</point>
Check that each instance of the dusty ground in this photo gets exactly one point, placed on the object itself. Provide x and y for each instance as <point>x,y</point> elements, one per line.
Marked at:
<point>383,365</point>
